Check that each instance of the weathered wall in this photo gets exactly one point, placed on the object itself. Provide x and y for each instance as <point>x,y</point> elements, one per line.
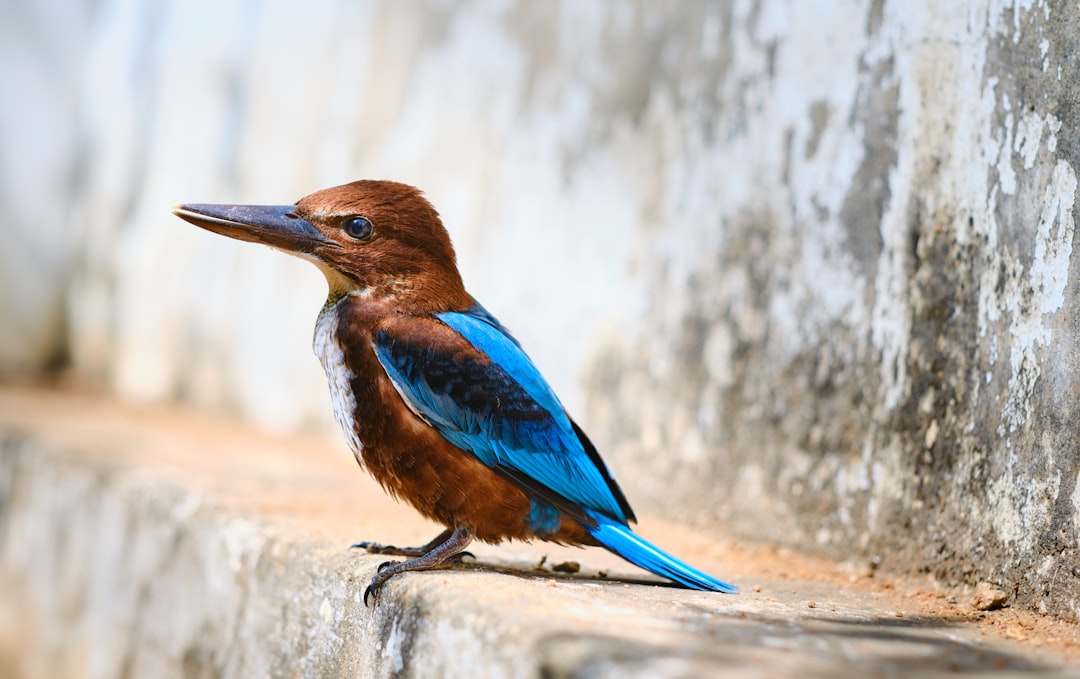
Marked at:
<point>807,263</point>
<point>880,334</point>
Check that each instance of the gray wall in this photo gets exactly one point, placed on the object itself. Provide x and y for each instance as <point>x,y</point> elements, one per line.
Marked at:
<point>803,269</point>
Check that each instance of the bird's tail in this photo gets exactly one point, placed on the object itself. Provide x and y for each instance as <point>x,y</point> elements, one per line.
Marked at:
<point>618,538</point>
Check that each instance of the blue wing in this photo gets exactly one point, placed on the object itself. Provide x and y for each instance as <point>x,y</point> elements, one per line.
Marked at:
<point>486,397</point>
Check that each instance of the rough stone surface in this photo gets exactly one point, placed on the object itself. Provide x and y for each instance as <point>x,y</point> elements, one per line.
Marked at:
<point>808,263</point>
<point>152,543</point>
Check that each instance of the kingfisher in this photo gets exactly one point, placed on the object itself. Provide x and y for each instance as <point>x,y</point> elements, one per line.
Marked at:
<point>435,397</point>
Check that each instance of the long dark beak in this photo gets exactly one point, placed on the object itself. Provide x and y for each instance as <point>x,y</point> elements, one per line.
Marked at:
<point>275,225</point>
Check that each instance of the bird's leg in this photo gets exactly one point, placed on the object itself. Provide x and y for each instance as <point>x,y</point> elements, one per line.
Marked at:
<point>376,548</point>
<point>452,545</point>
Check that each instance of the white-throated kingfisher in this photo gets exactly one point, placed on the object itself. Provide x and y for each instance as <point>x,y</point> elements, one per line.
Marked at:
<point>436,398</point>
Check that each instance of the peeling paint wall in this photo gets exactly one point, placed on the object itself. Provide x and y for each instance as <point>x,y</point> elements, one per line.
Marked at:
<point>808,263</point>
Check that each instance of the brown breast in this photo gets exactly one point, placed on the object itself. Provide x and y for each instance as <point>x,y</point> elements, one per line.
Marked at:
<point>411,459</point>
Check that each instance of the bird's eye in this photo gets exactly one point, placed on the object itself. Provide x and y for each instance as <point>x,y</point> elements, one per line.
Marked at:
<point>358,228</point>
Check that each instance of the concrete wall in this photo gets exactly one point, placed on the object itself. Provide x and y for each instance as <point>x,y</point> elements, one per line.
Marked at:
<point>803,268</point>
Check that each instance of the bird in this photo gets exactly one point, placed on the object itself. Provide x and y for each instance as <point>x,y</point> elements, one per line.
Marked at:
<point>436,398</point>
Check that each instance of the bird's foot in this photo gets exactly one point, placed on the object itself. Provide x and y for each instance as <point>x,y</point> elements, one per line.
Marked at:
<point>447,550</point>
<point>388,569</point>
<point>450,561</point>
<point>391,550</point>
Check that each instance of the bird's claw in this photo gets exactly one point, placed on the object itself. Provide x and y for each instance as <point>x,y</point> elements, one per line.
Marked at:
<point>381,576</point>
<point>373,592</point>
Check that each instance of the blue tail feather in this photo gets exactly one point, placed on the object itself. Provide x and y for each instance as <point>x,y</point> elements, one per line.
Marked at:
<point>618,538</point>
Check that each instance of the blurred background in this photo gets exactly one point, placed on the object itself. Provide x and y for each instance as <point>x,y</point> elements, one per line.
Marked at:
<point>807,263</point>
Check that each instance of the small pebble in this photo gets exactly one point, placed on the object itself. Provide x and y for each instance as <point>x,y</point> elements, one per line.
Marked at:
<point>988,598</point>
<point>811,604</point>
<point>756,588</point>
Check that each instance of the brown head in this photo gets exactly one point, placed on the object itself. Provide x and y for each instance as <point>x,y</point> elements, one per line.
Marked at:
<point>379,238</point>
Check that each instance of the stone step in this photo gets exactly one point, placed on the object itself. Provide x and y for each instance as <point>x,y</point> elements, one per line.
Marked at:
<point>150,542</point>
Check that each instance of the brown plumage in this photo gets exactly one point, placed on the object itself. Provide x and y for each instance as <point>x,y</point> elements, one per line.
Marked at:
<point>409,262</point>
<point>409,457</point>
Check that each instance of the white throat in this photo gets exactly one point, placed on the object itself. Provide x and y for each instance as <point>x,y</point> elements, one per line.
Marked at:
<point>338,375</point>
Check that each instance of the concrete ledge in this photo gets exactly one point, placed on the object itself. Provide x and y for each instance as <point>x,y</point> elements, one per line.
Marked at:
<point>149,543</point>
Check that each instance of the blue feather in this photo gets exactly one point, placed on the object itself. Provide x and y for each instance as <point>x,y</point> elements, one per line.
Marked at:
<point>620,539</point>
<point>502,411</point>
<point>489,336</point>
<point>543,519</point>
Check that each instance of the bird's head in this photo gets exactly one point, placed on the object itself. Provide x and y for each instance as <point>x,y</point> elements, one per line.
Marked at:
<point>375,237</point>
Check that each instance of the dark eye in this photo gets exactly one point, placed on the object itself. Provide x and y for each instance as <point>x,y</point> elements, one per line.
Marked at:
<point>359,228</point>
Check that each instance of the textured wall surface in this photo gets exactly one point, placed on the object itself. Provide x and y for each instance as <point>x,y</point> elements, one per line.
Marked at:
<point>810,264</point>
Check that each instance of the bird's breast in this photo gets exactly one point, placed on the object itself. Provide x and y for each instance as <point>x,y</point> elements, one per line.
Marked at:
<point>339,375</point>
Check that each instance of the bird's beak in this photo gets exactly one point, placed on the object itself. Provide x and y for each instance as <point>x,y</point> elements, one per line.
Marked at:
<point>275,225</point>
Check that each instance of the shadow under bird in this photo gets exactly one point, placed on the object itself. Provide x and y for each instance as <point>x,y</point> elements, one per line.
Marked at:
<point>436,398</point>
